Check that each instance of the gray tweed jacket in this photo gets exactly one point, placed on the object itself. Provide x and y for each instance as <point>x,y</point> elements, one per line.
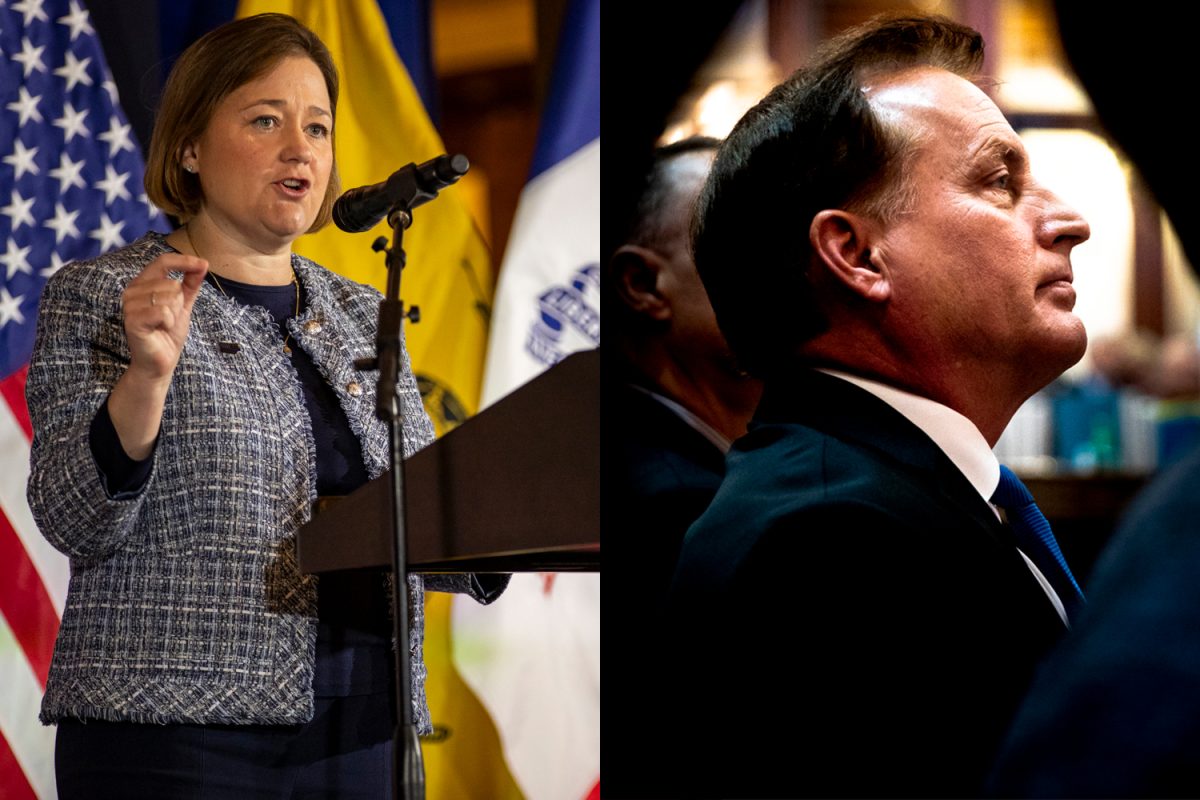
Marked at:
<point>185,601</point>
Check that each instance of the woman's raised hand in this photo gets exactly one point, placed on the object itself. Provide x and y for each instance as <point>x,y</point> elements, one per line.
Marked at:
<point>158,310</point>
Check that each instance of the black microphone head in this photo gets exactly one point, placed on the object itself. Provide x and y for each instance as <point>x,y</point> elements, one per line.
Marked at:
<point>360,209</point>
<point>344,217</point>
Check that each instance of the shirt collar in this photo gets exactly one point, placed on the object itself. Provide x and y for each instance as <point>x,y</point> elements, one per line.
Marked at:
<point>953,433</point>
<point>703,428</point>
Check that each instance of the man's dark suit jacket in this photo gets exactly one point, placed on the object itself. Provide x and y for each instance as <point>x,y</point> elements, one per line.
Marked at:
<point>660,475</point>
<point>669,473</point>
<point>849,615</point>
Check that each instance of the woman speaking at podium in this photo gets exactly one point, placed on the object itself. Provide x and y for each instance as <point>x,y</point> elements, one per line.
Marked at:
<point>191,395</point>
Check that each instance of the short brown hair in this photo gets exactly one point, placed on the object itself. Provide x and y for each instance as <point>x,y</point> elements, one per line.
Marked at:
<point>212,68</point>
<point>813,143</point>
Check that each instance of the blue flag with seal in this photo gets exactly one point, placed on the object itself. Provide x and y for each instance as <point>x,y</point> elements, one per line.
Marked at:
<point>548,296</point>
<point>534,658</point>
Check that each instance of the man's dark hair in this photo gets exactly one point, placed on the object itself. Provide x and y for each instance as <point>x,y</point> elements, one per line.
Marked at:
<point>655,193</point>
<point>813,143</point>
<point>656,189</point>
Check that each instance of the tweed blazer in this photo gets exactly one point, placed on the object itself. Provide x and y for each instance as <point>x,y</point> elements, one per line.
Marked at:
<point>185,602</point>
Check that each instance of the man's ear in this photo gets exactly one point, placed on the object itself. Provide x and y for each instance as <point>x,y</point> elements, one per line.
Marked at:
<point>639,272</point>
<point>844,243</point>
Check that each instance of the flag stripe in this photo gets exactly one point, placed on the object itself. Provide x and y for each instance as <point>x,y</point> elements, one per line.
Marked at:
<point>70,183</point>
<point>25,603</point>
<point>12,389</point>
<point>51,565</point>
<point>12,777</point>
<point>31,742</point>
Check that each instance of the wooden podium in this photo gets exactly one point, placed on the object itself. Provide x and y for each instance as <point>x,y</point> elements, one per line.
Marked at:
<point>516,488</point>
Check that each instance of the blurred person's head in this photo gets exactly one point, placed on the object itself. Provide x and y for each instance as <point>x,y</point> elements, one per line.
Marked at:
<point>665,325</point>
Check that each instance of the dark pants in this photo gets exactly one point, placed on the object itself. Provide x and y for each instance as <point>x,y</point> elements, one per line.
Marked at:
<point>344,752</point>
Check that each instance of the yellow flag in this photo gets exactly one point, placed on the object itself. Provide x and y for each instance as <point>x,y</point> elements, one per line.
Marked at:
<point>381,125</point>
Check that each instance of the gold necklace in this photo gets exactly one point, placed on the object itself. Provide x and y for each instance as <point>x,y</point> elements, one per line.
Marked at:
<point>295,313</point>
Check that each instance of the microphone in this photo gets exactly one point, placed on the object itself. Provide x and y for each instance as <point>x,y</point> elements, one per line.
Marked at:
<point>412,185</point>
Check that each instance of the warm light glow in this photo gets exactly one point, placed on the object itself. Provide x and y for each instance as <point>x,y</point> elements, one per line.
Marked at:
<point>717,110</point>
<point>1030,66</point>
<point>1041,89</point>
<point>478,35</point>
<point>735,76</point>
<point>1181,292</point>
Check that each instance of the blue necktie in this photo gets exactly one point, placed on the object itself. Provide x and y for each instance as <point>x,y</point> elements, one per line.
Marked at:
<point>1033,535</point>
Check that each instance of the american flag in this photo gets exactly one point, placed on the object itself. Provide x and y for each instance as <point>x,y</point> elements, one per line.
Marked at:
<point>70,188</point>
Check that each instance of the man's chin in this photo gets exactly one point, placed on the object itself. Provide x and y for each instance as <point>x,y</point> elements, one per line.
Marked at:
<point>1068,346</point>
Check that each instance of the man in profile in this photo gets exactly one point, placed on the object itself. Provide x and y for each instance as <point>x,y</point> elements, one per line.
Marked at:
<point>853,617</point>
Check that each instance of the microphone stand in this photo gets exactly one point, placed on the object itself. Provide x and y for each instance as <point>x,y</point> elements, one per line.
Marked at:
<point>406,189</point>
<point>408,767</point>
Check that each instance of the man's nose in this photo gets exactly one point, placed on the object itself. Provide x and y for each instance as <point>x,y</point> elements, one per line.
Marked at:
<point>1062,226</point>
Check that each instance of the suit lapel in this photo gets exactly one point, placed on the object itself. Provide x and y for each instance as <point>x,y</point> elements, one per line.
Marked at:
<point>849,413</point>
<point>845,411</point>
